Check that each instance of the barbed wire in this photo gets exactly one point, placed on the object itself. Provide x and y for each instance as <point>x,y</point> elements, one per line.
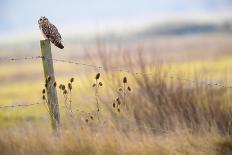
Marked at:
<point>20,58</point>
<point>20,105</point>
<point>116,69</point>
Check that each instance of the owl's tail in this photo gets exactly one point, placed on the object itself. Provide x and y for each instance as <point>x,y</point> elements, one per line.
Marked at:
<point>60,45</point>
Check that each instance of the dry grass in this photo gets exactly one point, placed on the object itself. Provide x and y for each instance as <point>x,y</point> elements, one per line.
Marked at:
<point>105,141</point>
<point>155,115</point>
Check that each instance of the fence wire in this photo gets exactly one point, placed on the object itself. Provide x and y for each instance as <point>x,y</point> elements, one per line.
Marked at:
<point>21,105</point>
<point>115,69</point>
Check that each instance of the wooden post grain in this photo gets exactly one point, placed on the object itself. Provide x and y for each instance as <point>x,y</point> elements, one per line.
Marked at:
<point>50,88</point>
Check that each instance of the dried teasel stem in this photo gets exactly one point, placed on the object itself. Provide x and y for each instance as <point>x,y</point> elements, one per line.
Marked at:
<point>124,90</point>
<point>96,85</point>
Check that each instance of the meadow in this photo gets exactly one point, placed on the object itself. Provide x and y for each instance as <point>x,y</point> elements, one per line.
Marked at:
<point>178,100</point>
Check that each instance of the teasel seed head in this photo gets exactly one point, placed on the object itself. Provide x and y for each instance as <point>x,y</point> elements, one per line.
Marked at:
<point>48,79</point>
<point>46,85</point>
<point>44,98</point>
<point>119,102</point>
<point>86,120</point>
<point>114,105</point>
<point>100,84</point>
<point>118,110</point>
<point>91,117</point>
<point>65,91</point>
<point>60,86</point>
<point>94,85</point>
<point>72,80</point>
<point>120,89</point>
<point>63,87</point>
<point>43,91</point>
<point>129,88</point>
<point>97,76</point>
<point>124,80</point>
<point>54,84</point>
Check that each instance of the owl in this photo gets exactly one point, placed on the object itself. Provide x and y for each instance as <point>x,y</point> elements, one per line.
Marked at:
<point>50,32</point>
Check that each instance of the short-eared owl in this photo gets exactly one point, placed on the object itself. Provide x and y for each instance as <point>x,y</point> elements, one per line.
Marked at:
<point>50,32</point>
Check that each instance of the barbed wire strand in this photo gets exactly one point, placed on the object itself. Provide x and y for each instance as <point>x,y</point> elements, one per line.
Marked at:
<point>20,105</point>
<point>116,69</point>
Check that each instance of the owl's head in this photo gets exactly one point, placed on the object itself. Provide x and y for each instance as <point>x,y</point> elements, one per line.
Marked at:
<point>42,20</point>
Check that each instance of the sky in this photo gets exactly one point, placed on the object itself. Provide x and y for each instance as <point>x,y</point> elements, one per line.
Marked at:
<point>19,17</point>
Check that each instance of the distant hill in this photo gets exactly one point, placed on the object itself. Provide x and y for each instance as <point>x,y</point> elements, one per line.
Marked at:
<point>185,28</point>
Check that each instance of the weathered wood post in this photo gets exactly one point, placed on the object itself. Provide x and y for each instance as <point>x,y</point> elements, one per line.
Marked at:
<point>50,83</point>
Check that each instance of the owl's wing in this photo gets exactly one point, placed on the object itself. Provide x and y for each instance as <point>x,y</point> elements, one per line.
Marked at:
<point>55,36</point>
<point>54,33</point>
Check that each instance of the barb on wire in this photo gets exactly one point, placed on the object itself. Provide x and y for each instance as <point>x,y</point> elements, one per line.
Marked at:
<point>115,69</point>
<point>20,105</point>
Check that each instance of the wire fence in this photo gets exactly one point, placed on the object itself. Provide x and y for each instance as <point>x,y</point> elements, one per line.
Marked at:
<point>102,68</point>
<point>21,105</point>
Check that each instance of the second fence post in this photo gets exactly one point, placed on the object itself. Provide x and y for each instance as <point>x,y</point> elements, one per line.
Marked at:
<point>50,83</point>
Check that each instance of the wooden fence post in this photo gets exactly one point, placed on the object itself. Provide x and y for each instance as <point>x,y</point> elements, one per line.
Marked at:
<point>50,80</point>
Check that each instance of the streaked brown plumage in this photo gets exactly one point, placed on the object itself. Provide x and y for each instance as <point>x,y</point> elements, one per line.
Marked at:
<point>50,32</point>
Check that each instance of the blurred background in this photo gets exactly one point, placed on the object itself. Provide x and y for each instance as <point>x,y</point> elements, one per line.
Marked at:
<point>116,21</point>
<point>192,36</point>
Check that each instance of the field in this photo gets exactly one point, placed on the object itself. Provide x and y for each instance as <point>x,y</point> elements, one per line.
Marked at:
<point>178,100</point>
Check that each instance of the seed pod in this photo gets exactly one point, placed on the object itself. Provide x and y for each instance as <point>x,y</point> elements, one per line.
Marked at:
<point>86,120</point>
<point>119,102</point>
<point>72,80</point>
<point>120,89</point>
<point>94,85</point>
<point>118,110</point>
<point>54,84</point>
<point>60,86</point>
<point>91,117</point>
<point>117,99</point>
<point>100,84</point>
<point>129,88</point>
<point>65,91</point>
<point>46,85</point>
<point>43,91</point>
<point>124,80</point>
<point>69,86</point>
<point>97,76</point>
<point>44,98</point>
<point>114,105</point>
<point>63,87</point>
